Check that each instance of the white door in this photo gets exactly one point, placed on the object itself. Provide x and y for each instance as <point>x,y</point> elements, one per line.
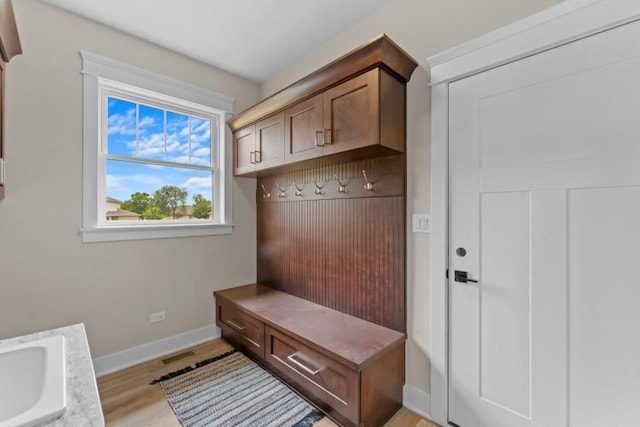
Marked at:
<point>545,201</point>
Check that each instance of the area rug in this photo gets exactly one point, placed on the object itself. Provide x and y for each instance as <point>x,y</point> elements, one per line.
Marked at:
<point>232,390</point>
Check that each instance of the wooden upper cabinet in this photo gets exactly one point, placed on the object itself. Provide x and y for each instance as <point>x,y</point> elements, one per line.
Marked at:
<point>244,146</point>
<point>269,136</point>
<point>351,114</point>
<point>259,146</point>
<point>357,101</point>
<point>304,131</point>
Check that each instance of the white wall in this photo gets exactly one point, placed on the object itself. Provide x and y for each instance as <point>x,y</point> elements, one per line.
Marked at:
<point>422,28</point>
<point>48,278</point>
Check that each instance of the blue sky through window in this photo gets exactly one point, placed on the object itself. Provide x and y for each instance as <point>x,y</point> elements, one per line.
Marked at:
<point>141,131</point>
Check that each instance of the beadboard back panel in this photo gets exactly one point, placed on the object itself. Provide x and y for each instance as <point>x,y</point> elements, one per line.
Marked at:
<point>342,249</point>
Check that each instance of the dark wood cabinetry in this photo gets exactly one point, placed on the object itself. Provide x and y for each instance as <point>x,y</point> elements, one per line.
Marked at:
<point>330,241</point>
<point>9,47</point>
<point>259,146</point>
<point>349,116</point>
<point>355,102</point>
<point>304,130</point>
<point>350,368</point>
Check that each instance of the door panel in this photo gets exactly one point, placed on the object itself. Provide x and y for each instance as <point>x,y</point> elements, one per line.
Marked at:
<point>244,143</point>
<point>269,141</point>
<point>304,134</point>
<point>351,113</point>
<point>604,374</point>
<point>504,355</point>
<point>545,197</point>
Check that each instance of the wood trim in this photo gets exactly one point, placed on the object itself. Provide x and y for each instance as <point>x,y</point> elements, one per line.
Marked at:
<point>378,52</point>
<point>9,39</point>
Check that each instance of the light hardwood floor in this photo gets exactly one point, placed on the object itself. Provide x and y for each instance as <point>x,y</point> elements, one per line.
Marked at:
<point>128,399</point>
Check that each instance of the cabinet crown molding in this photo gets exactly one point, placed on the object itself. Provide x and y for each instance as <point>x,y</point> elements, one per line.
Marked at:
<point>9,39</point>
<point>379,52</point>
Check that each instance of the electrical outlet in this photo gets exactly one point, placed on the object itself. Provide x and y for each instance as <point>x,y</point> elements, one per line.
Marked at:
<point>421,223</point>
<point>157,317</point>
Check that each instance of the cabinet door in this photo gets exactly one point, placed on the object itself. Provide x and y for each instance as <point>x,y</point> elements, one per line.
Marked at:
<point>270,142</point>
<point>244,144</point>
<point>351,114</point>
<point>303,136</point>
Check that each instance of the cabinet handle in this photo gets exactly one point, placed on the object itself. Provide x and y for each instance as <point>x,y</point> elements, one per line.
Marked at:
<point>258,156</point>
<point>321,134</point>
<point>235,325</point>
<point>326,140</point>
<point>252,157</point>
<point>301,366</point>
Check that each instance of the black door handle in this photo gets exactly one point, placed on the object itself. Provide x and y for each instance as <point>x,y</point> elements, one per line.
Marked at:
<point>463,277</point>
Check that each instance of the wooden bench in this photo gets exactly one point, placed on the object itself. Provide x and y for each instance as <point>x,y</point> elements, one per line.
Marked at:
<point>350,368</point>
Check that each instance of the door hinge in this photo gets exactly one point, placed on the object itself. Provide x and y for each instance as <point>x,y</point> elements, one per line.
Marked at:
<point>447,273</point>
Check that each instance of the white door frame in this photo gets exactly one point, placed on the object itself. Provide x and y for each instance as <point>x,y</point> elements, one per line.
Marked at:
<point>568,21</point>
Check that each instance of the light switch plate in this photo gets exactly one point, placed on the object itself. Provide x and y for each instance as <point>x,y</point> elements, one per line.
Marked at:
<point>421,223</point>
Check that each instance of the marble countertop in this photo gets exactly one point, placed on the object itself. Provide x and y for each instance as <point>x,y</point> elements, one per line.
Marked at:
<point>83,403</point>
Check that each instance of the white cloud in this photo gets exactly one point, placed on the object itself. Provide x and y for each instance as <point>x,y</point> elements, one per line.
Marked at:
<point>151,146</point>
<point>122,124</point>
<point>198,185</point>
<point>114,183</point>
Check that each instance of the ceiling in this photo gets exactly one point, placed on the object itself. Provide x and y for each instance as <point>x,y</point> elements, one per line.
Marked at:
<point>250,38</point>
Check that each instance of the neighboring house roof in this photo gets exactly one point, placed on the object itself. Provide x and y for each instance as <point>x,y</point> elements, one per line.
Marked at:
<point>121,213</point>
<point>112,200</point>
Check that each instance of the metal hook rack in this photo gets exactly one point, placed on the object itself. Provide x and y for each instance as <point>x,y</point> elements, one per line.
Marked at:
<point>318,187</point>
<point>265,193</point>
<point>282,192</point>
<point>298,189</point>
<point>369,185</point>
<point>342,188</point>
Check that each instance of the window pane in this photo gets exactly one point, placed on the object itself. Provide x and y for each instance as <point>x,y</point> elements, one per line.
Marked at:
<point>200,142</point>
<point>150,133</point>
<point>121,127</point>
<point>156,192</point>
<point>177,137</point>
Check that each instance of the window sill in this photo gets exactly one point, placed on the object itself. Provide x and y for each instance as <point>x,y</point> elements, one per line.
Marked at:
<point>133,232</point>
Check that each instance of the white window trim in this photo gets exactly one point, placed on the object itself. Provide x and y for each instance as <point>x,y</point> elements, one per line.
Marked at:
<point>95,69</point>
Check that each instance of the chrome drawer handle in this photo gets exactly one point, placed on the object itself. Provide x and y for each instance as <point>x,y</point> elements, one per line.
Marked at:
<point>235,325</point>
<point>301,366</point>
<point>320,134</point>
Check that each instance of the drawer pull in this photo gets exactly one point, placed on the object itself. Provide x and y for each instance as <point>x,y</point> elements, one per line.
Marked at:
<point>235,325</point>
<point>301,366</point>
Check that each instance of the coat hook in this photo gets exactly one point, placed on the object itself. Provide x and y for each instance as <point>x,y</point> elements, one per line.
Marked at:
<point>265,193</point>
<point>298,189</point>
<point>282,191</point>
<point>342,188</point>
<point>318,187</point>
<point>369,185</point>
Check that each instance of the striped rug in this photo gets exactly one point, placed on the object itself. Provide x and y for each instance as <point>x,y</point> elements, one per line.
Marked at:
<point>232,390</point>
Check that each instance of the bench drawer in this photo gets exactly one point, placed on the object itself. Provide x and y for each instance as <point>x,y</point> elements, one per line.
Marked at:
<point>240,328</point>
<point>316,375</point>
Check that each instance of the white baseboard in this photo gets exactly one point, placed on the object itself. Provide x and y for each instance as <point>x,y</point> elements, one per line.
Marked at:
<point>123,359</point>
<point>417,400</point>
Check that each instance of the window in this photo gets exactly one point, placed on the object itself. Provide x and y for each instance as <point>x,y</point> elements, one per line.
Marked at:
<point>156,155</point>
